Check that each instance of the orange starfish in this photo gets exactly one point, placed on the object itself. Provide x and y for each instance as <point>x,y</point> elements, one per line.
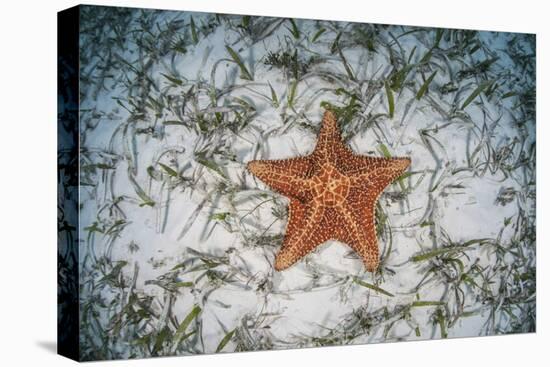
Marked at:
<point>333,194</point>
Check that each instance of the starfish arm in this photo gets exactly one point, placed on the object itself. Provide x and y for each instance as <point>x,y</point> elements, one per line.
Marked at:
<point>304,232</point>
<point>329,147</point>
<point>286,176</point>
<point>296,213</point>
<point>359,232</point>
<point>375,173</point>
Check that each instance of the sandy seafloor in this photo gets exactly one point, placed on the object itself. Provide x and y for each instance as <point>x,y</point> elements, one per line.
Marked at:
<point>171,221</point>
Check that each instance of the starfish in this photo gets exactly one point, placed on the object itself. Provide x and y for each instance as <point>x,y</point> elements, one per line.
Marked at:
<point>333,194</point>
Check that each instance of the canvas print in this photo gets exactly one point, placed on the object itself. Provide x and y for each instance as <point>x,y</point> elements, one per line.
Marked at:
<point>233,183</point>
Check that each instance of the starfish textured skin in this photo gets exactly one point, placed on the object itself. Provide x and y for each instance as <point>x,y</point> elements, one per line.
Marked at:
<point>333,194</point>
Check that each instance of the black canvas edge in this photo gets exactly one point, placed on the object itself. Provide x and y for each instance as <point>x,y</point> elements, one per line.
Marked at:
<point>68,183</point>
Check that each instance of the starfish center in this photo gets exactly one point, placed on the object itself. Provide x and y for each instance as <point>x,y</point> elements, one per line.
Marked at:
<point>330,187</point>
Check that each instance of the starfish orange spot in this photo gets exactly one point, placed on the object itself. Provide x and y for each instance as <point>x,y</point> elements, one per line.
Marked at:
<point>333,194</point>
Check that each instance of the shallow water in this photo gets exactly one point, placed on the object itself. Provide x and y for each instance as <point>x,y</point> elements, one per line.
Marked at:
<point>177,239</point>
